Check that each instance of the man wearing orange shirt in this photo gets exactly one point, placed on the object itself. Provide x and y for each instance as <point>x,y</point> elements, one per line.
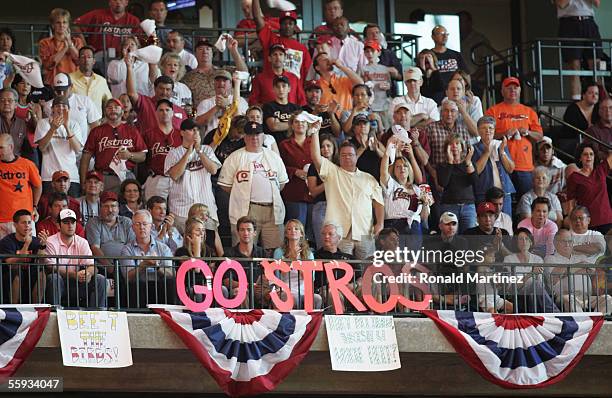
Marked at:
<point>334,87</point>
<point>20,183</point>
<point>520,124</point>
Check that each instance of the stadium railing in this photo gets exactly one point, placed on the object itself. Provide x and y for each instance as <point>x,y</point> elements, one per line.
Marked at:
<point>473,287</point>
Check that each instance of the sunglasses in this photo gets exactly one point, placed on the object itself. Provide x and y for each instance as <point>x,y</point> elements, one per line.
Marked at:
<point>332,89</point>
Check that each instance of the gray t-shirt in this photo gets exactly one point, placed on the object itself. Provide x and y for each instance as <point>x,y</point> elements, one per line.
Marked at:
<point>110,240</point>
<point>377,74</point>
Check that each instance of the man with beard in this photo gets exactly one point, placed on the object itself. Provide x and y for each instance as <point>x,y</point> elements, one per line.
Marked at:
<point>111,144</point>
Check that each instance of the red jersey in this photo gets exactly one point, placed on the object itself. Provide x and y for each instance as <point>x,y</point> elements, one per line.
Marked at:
<point>104,141</point>
<point>16,181</point>
<point>159,144</point>
<point>48,225</point>
<point>262,90</point>
<point>273,22</point>
<point>147,120</point>
<point>297,60</point>
<point>44,206</point>
<point>128,24</point>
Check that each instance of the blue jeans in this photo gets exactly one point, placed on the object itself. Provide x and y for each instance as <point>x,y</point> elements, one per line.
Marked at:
<point>523,182</point>
<point>317,219</point>
<point>466,214</point>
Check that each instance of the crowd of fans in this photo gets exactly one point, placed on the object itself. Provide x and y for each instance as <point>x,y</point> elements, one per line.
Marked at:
<point>322,161</point>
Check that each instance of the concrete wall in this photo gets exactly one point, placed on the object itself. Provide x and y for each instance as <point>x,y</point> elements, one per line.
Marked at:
<point>429,366</point>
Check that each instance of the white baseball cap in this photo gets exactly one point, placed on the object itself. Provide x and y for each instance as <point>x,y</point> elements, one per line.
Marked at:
<point>67,213</point>
<point>413,73</point>
<point>62,80</point>
<point>448,217</point>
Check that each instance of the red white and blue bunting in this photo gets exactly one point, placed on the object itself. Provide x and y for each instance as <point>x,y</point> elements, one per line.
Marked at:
<point>519,351</point>
<point>245,352</point>
<point>20,329</point>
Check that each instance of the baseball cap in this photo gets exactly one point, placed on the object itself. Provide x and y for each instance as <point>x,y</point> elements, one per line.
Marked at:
<point>277,46</point>
<point>188,124</point>
<point>61,100</point>
<point>372,44</point>
<point>485,207</point>
<point>545,141</point>
<point>223,74</point>
<point>312,85</point>
<point>287,14</point>
<point>448,217</point>
<point>413,73</point>
<point>113,101</point>
<point>401,105</point>
<point>280,79</point>
<point>62,81</point>
<point>511,80</point>
<point>108,195</point>
<point>253,128</point>
<point>204,42</point>
<point>360,118</point>
<point>60,174</point>
<point>67,213</point>
<point>94,174</point>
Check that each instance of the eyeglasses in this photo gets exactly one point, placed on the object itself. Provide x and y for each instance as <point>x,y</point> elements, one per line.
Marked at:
<point>332,89</point>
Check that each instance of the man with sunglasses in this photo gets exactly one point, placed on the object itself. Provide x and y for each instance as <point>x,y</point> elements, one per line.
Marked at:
<point>113,145</point>
<point>74,278</point>
<point>449,61</point>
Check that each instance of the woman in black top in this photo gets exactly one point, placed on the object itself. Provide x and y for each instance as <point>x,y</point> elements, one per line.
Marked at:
<point>584,113</point>
<point>130,197</point>
<point>458,176</point>
<point>433,86</point>
<point>369,149</point>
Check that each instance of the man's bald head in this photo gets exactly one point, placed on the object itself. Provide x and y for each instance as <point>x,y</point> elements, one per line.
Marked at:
<point>7,147</point>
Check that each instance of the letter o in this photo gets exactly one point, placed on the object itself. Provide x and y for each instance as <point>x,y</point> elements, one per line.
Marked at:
<point>218,283</point>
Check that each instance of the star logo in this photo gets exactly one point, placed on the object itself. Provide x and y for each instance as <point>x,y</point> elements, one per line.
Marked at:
<point>18,187</point>
<point>254,125</point>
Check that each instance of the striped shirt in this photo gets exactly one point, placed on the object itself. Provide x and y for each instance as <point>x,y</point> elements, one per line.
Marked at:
<point>194,186</point>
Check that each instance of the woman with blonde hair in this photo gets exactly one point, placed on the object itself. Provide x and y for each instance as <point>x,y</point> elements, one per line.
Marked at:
<point>295,247</point>
<point>60,52</point>
<point>457,176</point>
<point>406,205</point>
<point>171,65</point>
<point>200,211</point>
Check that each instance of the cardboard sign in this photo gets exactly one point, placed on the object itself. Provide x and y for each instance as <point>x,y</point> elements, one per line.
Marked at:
<point>362,343</point>
<point>94,339</point>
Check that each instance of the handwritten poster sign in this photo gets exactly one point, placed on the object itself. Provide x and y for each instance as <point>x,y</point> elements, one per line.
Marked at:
<point>94,339</point>
<point>362,343</point>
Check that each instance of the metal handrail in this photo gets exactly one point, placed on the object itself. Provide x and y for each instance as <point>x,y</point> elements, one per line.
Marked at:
<point>579,131</point>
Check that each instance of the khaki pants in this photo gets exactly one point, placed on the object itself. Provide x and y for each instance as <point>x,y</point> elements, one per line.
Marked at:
<point>271,233</point>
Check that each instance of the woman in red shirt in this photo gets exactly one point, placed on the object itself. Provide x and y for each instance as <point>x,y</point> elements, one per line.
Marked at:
<point>587,187</point>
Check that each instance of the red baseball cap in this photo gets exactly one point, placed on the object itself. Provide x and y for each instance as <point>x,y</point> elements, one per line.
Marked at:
<point>287,14</point>
<point>485,207</point>
<point>511,80</point>
<point>60,174</point>
<point>312,85</point>
<point>113,101</point>
<point>94,174</point>
<point>372,44</point>
<point>109,195</point>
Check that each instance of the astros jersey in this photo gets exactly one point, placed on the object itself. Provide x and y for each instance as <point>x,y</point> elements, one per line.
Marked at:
<point>15,188</point>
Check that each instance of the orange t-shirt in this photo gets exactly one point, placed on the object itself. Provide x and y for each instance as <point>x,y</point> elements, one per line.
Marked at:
<point>47,48</point>
<point>516,116</point>
<point>16,181</point>
<point>343,87</point>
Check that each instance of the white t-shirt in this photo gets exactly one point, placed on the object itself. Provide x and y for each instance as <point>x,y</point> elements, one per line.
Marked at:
<point>82,110</point>
<point>59,155</point>
<point>194,186</point>
<point>116,74</point>
<point>188,59</point>
<point>261,191</point>
<point>209,103</point>
<point>590,236</point>
<point>422,105</point>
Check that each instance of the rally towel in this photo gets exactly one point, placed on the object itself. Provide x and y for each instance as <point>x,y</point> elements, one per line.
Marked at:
<point>20,329</point>
<point>245,352</point>
<point>519,351</point>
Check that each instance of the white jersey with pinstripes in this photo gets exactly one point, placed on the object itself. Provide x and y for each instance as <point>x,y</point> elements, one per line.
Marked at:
<point>194,186</point>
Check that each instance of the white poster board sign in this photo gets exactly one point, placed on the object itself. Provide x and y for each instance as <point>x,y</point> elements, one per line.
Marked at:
<point>362,343</point>
<point>94,339</point>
